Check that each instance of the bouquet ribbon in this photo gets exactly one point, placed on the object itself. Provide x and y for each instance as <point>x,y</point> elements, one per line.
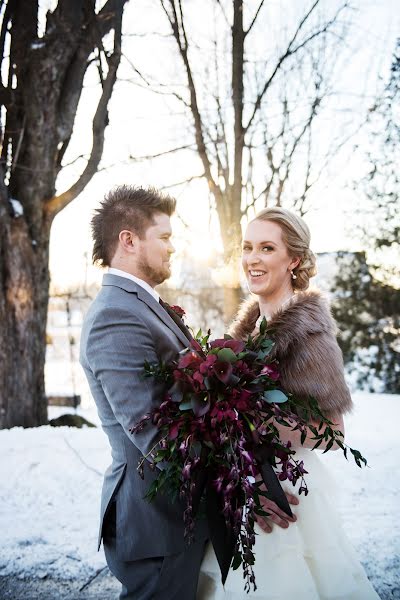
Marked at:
<point>223,537</point>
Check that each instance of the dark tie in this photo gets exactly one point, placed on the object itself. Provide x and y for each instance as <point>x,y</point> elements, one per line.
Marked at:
<point>176,319</point>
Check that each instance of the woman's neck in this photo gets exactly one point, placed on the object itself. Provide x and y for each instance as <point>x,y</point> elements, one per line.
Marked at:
<point>269,305</point>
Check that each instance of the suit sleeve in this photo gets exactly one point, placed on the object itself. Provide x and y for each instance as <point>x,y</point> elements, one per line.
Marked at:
<point>118,345</point>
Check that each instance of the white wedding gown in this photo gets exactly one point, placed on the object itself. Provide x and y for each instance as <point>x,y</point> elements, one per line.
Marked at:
<point>311,560</point>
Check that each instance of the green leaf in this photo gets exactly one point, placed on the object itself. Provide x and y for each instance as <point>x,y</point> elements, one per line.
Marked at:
<point>328,446</point>
<point>275,396</point>
<point>317,444</point>
<point>227,355</point>
<point>267,345</point>
<point>208,383</point>
<point>185,405</point>
<point>263,326</point>
<point>358,457</point>
<point>339,443</point>
<point>237,561</point>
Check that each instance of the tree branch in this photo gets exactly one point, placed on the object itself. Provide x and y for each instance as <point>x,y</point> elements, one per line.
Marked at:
<point>255,18</point>
<point>292,50</point>
<point>164,153</point>
<point>100,121</point>
<point>179,34</point>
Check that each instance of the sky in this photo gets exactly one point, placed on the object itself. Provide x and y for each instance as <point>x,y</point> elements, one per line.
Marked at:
<point>144,123</point>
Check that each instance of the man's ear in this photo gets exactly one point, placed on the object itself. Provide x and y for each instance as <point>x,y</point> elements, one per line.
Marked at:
<point>128,240</point>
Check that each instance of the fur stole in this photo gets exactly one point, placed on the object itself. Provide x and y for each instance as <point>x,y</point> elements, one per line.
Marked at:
<point>310,360</point>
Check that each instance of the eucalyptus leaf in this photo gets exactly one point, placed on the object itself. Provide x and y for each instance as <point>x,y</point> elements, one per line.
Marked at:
<point>227,355</point>
<point>185,405</point>
<point>275,396</point>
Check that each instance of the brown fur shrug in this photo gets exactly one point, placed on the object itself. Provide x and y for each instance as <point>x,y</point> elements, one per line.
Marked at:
<point>310,360</point>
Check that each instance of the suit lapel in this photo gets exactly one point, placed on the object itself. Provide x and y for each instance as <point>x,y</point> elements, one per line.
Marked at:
<point>162,314</point>
<point>130,286</point>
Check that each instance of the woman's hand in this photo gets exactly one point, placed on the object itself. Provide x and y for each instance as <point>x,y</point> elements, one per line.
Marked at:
<point>276,515</point>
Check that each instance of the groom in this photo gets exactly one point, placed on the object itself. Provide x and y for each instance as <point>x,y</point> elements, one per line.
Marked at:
<point>126,325</point>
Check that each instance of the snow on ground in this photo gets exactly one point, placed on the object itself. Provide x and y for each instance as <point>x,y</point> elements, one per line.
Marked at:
<point>51,480</point>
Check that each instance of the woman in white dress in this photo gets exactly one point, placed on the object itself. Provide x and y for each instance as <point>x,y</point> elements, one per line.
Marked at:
<point>312,559</point>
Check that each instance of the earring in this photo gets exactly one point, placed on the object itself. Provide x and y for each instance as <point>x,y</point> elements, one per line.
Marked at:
<point>293,275</point>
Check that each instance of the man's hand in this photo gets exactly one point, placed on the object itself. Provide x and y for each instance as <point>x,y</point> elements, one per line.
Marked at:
<point>276,515</point>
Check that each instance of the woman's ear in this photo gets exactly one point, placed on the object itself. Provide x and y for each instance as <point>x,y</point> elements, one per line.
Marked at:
<point>294,263</point>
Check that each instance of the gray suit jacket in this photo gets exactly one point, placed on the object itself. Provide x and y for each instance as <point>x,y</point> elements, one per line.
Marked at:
<point>124,327</point>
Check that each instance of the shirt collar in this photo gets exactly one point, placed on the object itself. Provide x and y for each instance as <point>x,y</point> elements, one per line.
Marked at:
<point>140,282</point>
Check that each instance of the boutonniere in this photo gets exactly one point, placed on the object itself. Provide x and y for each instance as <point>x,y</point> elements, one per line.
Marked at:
<point>178,310</point>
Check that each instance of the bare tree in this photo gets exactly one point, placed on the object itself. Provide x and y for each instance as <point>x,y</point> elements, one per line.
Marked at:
<point>42,81</point>
<point>253,117</point>
<point>379,188</point>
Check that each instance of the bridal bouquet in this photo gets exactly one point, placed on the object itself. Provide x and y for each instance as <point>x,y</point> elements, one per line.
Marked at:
<point>219,446</point>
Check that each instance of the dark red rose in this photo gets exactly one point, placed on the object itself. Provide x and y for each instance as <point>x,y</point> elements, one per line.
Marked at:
<point>178,310</point>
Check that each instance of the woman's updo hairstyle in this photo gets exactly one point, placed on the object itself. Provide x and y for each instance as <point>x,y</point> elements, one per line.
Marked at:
<point>296,237</point>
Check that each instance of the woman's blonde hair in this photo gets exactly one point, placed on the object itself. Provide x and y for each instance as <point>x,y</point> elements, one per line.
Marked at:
<point>296,237</point>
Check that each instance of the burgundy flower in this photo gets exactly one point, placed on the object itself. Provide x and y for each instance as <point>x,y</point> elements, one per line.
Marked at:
<point>241,367</point>
<point>218,483</point>
<point>242,402</point>
<point>197,376</point>
<point>174,430</point>
<point>208,363</point>
<point>200,404</point>
<point>236,346</point>
<point>222,370</point>
<point>178,310</point>
<point>245,454</point>
<point>186,471</point>
<point>223,410</point>
<point>189,359</point>
<point>271,371</point>
<point>177,374</point>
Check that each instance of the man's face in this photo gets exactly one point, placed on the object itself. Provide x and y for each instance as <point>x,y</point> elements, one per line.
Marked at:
<point>154,251</point>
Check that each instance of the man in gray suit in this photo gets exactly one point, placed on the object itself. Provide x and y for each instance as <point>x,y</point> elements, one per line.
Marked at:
<point>125,326</point>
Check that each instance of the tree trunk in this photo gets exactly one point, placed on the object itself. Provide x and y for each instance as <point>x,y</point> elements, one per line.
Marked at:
<point>232,299</point>
<point>229,217</point>
<point>23,315</point>
<point>40,101</point>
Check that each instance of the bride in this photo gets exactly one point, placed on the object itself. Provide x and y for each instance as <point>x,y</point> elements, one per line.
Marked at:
<point>311,559</point>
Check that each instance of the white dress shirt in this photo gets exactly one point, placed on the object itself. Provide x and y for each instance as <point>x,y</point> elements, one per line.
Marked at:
<point>140,282</point>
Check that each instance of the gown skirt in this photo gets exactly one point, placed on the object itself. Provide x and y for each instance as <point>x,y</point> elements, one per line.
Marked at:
<point>311,560</point>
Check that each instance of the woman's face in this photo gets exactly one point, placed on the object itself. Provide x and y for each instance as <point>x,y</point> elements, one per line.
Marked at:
<point>265,259</point>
